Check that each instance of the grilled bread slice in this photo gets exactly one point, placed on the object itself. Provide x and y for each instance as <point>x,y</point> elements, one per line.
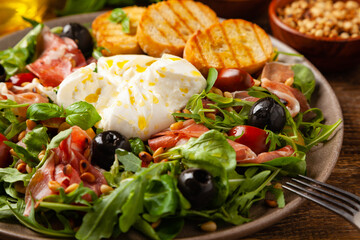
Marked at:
<point>234,43</point>
<point>166,26</point>
<point>111,36</point>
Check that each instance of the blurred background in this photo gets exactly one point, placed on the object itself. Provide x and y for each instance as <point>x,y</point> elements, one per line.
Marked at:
<point>11,11</point>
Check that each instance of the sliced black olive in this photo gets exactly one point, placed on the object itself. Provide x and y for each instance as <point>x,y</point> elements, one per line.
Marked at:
<point>103,148</point>
<point>268,113</point>
<point>81,36</point>
<point>2,73</point>
<point>197,185</point>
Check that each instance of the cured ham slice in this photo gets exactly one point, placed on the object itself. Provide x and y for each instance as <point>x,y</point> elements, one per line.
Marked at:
<point>286,151</point>
<point>244,96</point>
<point>21,97</point>
<point>170,138</point>
<point>283,92</point>
<point>60,57</point>
<point>277,72</point>
<point>69,154</point>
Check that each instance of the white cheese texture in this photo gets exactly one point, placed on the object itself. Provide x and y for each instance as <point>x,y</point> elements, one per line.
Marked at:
<point>134,94</point>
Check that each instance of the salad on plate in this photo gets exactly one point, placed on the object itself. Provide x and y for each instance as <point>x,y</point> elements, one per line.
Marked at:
<point>94,146</point>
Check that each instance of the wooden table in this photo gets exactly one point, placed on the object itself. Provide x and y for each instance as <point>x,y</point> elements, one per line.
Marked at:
<point>311,221</point>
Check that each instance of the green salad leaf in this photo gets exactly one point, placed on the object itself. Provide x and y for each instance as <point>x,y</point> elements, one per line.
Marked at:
<point>119,16</point>
<point>15,59</point>
<point>131,162</point>
<point>304,80</point>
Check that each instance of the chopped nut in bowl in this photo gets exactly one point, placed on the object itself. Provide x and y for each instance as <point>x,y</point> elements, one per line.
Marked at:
<point>325,31</point>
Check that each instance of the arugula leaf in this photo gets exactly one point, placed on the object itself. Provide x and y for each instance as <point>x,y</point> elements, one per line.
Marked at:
<point>33,224</point>
<point>55,141</point>
<point>72,197</point>
<point>161,197</point>
<point>35,140</point>
<point>119,16</point>
<point>211,152</point>
<point>23,154</point>
<point>211,79</point>
<point>82,114</point>
<point>12,175</point>
<point>137,145</point>
<point>128,159</point>
<point>15,59</point>
<point>126,200</point>
<point>44,111</point>
<point>169,228</point>
<point>304,80</point>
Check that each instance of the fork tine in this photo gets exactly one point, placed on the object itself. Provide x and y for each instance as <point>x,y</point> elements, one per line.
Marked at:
<point>332,201</point>
<point>326,205</point>
<point>351,195</point>
<point>341,197</point>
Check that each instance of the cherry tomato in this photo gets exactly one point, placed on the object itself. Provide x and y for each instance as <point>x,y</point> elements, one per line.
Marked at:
<point>5,157</point>
<point>233,79</point>
<point>20,78</point>
<point>253,137</point>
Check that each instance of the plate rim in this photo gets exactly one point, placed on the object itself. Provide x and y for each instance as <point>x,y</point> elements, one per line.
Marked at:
<point>235,231</point>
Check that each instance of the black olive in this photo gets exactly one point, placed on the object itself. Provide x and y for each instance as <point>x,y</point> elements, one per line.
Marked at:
<point>103,148</point>
<point>2,73</point>
<point>197,186</point>
<point>81,36</point>
<point>268,113</point>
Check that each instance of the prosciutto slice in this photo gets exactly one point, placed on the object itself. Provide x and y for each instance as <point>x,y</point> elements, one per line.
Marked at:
<point>171,138</point>
<point>59,58</point>
<point>70,152</point>
<point>21,97</point>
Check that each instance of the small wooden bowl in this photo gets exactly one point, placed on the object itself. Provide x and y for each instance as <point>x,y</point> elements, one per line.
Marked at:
<point>329,54</point>
<point>238,8</point>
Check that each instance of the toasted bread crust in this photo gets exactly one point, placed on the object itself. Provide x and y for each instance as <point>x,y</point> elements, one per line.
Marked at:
<point>110,35</point>
<point>234,43</point>
<point>166,26</point>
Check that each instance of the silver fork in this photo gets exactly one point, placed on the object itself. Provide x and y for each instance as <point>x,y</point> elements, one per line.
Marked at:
<point>337,200</point>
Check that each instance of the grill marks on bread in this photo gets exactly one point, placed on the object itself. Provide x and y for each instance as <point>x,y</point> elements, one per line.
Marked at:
<point>234,43</point>
<point>111,36</point>
<point>166,26</point>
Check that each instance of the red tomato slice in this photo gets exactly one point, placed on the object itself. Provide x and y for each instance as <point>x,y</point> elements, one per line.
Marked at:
<point>20,78</point>
<point>253,137</point>
<point>233,79</point>
<point>5,158</point>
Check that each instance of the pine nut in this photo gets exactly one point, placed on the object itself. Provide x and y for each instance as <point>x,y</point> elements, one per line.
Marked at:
<point>209,226</point>
<point>13,153</point>
<point>105,189</point>
<point>28,168</point>
<point>228,95</point>
<point>84,166</point>
<point>289,82</point>
<point>19,187</point>
<point>21,167</point>
<point>88,177</point>
<point>67,170</point>
<point>217,91</point>
<point>71,188</point>
<point>21,135</point>
<point>41,155</point>
<point>186,111</point>
<point>257,82</point>
<point>210,115</point>
<point>156,154</point>
<point>54,186</point>
<point>30,124</point>
<point>278,186</point>
<point>229,109</point>
<point>177,126</point>
<point>145,157</point>
<point>164,160</point>
<point>271,203</point>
